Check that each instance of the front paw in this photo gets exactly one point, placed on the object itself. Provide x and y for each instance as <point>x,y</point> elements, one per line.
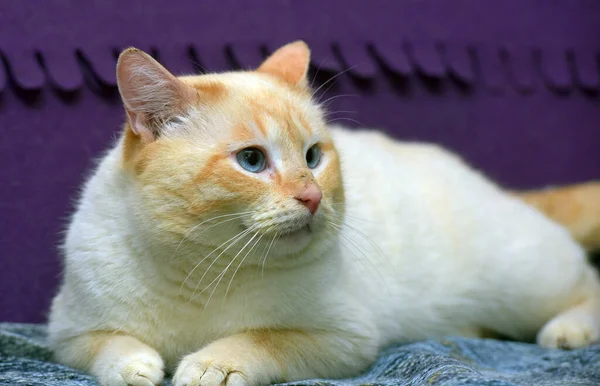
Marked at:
<point>567,333</point>
<point>204,370</point>
<point>145,369</point>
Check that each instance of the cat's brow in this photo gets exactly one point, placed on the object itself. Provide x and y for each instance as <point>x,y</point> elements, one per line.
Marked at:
<point>238,145</point>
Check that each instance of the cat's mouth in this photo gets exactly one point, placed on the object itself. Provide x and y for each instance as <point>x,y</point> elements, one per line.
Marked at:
<point>289,232</point>
<point>305,230</point>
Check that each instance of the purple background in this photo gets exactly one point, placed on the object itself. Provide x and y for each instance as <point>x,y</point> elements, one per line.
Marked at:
<point>512,85</point>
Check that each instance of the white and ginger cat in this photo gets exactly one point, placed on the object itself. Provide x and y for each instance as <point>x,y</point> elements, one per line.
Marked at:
<point>230,237</point>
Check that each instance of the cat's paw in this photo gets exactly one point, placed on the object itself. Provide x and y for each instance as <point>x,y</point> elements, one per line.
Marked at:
<point>568,333</point>
<point>201,370</point>
<point>145,369</point>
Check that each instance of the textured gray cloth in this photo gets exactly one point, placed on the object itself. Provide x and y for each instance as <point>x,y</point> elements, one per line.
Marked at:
<point>26,360</point>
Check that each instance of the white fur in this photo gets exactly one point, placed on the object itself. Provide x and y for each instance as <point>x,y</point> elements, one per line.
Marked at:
<point>429,248</point>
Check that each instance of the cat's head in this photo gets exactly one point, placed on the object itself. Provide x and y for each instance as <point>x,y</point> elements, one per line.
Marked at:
<point>236,160</point>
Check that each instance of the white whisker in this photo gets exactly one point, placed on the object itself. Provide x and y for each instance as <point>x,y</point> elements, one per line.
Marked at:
<point>224,272</point>
<point>317,73</point>
<point>344,119</point>
<point>368,240</point>
<point>235,239</point>
<point>359,249</point>
<point>329,80</point>
<point>338,96</point>
<point>350,216</point>
<point>267,254</point>
<point>356,257</point>
<point>238,216</point>
<point>328,113</point>
<point>242,262</point>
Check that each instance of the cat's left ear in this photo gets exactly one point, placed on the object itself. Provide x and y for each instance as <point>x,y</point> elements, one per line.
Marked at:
<point>289,63</point>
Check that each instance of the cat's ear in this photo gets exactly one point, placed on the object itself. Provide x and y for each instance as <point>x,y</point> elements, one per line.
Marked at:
<point>289,63</point>
<point>150,93</point>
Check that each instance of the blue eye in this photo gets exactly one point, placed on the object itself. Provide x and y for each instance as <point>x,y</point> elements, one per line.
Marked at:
<point>313,156</point>
<point>252,159</point>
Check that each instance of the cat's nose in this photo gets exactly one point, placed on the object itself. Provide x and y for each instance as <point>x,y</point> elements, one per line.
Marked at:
<point>311,197</point>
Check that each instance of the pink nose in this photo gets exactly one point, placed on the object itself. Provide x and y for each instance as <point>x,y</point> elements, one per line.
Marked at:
<point>310,197</point>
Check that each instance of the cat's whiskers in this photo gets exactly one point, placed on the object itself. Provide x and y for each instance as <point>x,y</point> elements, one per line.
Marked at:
<point>358,248</point>
<point>332,98</point>
<point>329,120</point>
<point>344,119</point>
<point>224,271</point>
<point>242,262</point>
<point>327,81</point>
<point>328,113</point>
<point>265,249</point>
<point>312,82</point>
<point>350,243</point>
<point>349,216</point>
<point>235,216</point>
<point>231,241</point>
<point>370,241</point>
<point>276,236</point>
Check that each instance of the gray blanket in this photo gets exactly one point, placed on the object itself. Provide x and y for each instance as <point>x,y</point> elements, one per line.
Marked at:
<point>26,360</point>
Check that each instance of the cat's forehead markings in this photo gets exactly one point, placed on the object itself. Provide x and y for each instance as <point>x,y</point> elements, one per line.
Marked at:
<point>258,129</point>
<point>301,124</point>
<point>281,131</point>
<point>258,123</point>
<point>275,134</point>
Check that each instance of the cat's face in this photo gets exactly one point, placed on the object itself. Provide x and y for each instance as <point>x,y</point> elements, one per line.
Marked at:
<point>238,161</point>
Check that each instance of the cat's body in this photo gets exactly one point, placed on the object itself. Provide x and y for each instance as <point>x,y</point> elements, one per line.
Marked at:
<point>427,248</point>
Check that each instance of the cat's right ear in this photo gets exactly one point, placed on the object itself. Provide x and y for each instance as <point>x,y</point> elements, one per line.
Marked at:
<point>150,93</point>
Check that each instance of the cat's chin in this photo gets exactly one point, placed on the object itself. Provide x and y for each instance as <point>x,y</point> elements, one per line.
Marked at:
<point>293,243</point>
<point>290,241</point>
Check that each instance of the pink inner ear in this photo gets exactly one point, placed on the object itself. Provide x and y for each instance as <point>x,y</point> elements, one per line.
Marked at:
<point>150,92</point>
<point>138,127</point>
<point>289,63</point>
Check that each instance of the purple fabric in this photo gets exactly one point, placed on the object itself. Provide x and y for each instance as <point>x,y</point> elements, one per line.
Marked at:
<point>511,85</point>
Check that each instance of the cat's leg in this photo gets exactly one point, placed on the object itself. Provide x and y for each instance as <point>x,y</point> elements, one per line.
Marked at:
<point>548,292</point>
<point>266,356</point>
<point>576,207</point>
<point>112,358</point>
<point>574,328</point>
<point>578,325</point>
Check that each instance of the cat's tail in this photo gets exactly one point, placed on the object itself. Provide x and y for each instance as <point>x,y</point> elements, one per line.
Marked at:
<point>576,207</point>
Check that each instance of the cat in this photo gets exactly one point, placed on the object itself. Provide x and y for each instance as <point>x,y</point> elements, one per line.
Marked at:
<point>231,237</point>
